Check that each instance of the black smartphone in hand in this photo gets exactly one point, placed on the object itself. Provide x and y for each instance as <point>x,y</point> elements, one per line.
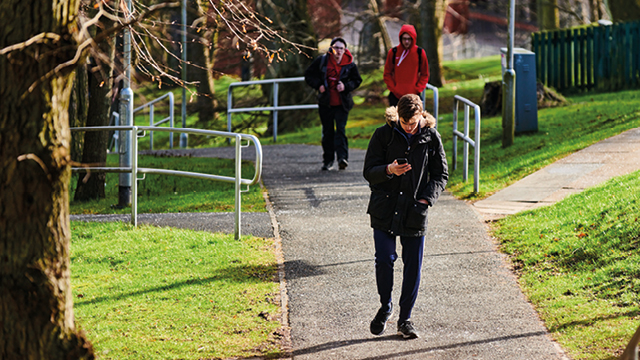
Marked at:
<point>401,161</point>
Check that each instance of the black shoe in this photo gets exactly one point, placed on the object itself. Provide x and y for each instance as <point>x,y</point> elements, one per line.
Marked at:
<point>343,163</point>
<point>407,331</point>
<point>379,323</point>
<point>327,166</point>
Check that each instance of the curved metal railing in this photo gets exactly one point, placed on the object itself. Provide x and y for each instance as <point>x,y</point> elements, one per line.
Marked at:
<point>134,169</point>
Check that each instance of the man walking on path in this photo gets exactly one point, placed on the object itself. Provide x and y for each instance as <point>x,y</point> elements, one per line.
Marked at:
<point>334,75</point>
<point>406,70</point>
<point>406,168</point>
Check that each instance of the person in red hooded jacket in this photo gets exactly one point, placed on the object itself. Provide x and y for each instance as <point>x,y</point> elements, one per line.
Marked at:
<point>334,75</point>
<point>406,70</point>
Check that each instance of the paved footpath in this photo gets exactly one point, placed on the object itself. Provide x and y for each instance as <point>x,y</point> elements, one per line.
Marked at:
<point>615,156</point>
<point>469,306</point>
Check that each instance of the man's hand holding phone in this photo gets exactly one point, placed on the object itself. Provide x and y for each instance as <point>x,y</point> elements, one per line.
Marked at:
<point>398,167</point>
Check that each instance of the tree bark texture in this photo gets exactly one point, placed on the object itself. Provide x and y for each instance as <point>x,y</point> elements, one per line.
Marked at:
<point>429,27</point>
<point>78,107</point>
<point>91,185</point>
<point>36,307</point>
<point>370,54</point>
<point>200,71</point>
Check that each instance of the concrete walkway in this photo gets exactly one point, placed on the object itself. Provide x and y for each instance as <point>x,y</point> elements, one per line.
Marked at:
<point>616,156</point>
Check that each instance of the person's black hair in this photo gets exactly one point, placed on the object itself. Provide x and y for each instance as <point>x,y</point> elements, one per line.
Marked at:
<point>336,39</point>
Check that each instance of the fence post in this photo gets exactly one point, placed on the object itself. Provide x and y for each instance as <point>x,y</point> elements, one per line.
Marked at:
<point>476,151</point>
<point>229,106</point>
<point>183,139</point>
<point>134,176</point>
<point>275,112</point>
<point>151,123</point>
<point>465,146</point>
<point>464,136</point>
<point>237,185</point>
<point>455,138</point>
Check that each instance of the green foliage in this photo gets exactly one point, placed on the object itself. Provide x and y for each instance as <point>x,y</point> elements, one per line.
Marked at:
<point>579,264</point>
<point>163,293</point>
<point>172,194</point>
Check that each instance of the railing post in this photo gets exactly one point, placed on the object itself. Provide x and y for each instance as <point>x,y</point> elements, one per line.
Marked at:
<point>476,154</point>
<point>183,139</point>
<point>229,106</point>
<point>465,145</point>
<point>126,118</point>
<point>454,153</point>
<point>435,101</point>
<point>151,123</point>
<point>275,112</point>
<point>237,186</point>
<point>134,176</point>
<point>475,142</point>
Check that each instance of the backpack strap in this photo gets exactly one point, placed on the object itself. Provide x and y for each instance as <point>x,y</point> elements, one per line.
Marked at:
<point>323,64</point>
<point>393,59</point>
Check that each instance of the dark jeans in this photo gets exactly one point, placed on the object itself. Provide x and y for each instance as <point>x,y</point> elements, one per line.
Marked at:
<point>393,100</point>
<point>412,251</point>
<point>334,140</point>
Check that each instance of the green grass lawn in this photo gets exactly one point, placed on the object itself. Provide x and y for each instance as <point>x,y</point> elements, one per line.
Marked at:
<point>164,293</point>
<point>578,263</point>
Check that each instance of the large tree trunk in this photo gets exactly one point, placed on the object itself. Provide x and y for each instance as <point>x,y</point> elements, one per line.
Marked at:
<point>95,145</point>
<point>36,305</point>
<point>371,54</point>
<point>291,17</point>
<point>78,107</point>
<point>429,26</point>
<point>200,71</point>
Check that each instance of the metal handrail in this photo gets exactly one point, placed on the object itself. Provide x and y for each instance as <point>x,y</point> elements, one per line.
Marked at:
<point>134,169</point>
<point>467,140</point>
<point>275,108</point>
<point>435,100</point>
<point>169,118</point>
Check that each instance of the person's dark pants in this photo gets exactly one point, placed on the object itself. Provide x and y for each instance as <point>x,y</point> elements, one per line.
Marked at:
<point>393,100</point>
<point>412,251</point>
<point>334,140</point>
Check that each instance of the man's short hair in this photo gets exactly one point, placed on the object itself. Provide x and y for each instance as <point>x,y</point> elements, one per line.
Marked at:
<point>336,39</point>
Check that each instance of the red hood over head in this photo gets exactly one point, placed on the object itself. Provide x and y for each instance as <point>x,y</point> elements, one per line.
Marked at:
<point>408,29</point>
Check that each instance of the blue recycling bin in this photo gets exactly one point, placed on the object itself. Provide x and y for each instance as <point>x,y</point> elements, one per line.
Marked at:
<point>524,64</point>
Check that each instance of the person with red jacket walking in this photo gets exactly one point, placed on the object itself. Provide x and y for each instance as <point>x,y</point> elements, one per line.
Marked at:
<point>334,75</point>
<point>406,69</point>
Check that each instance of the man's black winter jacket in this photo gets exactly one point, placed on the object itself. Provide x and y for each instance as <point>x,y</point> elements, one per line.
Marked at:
<point>394,205</point>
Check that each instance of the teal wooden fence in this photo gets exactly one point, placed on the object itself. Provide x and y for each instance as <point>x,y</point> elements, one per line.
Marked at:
<point>595,57</point>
